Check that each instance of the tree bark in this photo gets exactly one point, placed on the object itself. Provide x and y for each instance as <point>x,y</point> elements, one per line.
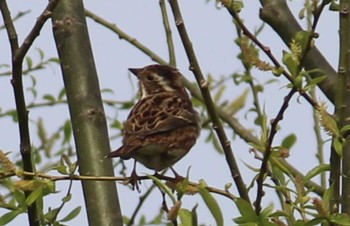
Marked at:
<point>86,111</point>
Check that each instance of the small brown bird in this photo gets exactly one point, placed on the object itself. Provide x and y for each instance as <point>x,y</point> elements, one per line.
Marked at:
<point>163,126</point>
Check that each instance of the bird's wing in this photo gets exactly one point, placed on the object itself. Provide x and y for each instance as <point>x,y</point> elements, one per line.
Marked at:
<point>158,115</point>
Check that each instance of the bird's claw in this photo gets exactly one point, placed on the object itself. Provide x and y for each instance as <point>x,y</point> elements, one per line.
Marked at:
<point>134,181</point>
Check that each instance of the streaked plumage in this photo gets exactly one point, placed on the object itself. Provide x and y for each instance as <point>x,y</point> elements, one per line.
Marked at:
<point>163,126</point>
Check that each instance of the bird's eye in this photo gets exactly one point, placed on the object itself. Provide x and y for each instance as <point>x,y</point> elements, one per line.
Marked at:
<point>149,77</point>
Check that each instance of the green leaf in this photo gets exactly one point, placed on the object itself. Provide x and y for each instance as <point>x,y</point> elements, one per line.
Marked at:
<point>313,82</point>
<point>265,213</point>
<point>194,215</point>
<point>8,217</point>
<point>49,186</point>
<point>29,62</point>
<point>334,6</point>
<point>61,94</point>
<point>289,141</point>
<point>62,169</point>
<point>34,195</point>
<point>302,38</point>
<point>52,214</point>
<point>328,195</point>
<point>41,54</point>
<point>238,103</point>
<point>291,63</point>
<point>238,5</point>
<point>212,205</point>
<point>341,219</point>
<point>165,188</point>
<point>316,171</point>
<point>20,198</point>
<point>67,198</point>
<point>72,214</point>
<point>49,98</point>
<point>345,129</point>
<point>107,91</point>
<point>55,60</point>
<point>338,146</point>
<point>117,124</point>
<point>302,13</point>
<point>185,217</point>
<point>315,221</point>
<point>218,95</point>
<point>42,134</point>
<point>246,210</point>
<point>67,132</point>
<point>298,82</point>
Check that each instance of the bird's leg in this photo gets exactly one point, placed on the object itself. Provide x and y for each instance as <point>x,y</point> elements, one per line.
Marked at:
<point>134,179</point>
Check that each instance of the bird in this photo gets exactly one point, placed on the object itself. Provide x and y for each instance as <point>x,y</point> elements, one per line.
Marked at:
<point>162,126</point>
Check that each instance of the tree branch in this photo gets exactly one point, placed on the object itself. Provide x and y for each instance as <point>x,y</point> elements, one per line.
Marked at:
<point>18,54</point>
<point>277,14</point>
<point>169,38</point>
<point>86,111</point>
<point>204,87</point>
<point>268,150</point>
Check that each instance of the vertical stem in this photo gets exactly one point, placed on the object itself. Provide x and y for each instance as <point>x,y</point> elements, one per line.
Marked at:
<point>18,54</point>
<point>342,100</point>
<point>86,111</point>
<point>213,114</point>
<point>169,38</point>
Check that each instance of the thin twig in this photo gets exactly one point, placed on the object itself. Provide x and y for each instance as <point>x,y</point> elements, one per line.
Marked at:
<point>142,199</point>
<point>266,50</point>
<point>75,177</point>
<point>317,15</point>
<point>268,150</point>
<point>204,87</point>
<point>169,38</point>
<point>18,54</point>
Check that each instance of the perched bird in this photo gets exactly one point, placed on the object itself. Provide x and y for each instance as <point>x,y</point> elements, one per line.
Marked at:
<point>163,126</point>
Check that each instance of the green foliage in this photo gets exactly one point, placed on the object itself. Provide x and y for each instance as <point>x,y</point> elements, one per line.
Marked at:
<point>211,204</point>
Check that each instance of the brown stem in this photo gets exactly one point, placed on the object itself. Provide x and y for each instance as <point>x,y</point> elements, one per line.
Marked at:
<point>18,54</point>
<point>204,87</point>
<point>268,150</point>
<point>277,14</point>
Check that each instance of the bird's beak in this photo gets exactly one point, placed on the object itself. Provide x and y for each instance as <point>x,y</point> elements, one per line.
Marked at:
<point>135,71</point>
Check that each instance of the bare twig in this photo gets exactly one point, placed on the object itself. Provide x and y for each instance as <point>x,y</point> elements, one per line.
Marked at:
<point>169,38</point>
<point>317,15</point>
<point>18,54</point>
<point>75,177</point>
<point>268,150</point>
<point>266,50</point>
<point>204,87</point>
<point>142,199</point>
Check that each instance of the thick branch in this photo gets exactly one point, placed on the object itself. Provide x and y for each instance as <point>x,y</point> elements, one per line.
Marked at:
<point>342,101</point>
<point>86,111</point>
<point>277,14</point>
